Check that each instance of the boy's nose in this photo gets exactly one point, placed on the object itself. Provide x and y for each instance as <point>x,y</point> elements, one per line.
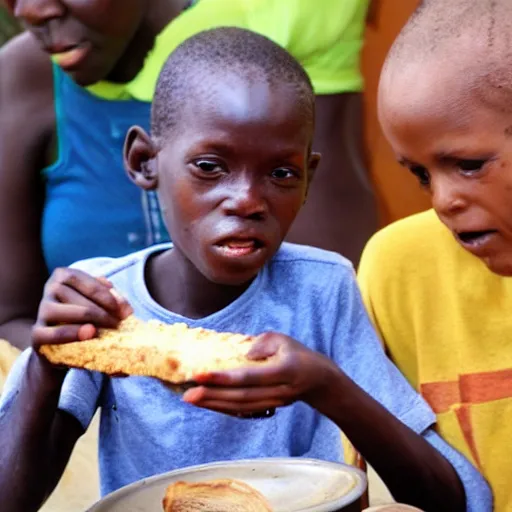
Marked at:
<point>447,198</point>
<point>246,201</point>
<point>38,12</point>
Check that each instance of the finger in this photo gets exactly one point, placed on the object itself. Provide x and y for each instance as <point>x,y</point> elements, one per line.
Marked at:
<point>282,394</point>
<point>105,281</point>
<point>55,313</point>
<point>121,300</point>
<point>42,335</point>
<point>87,332</point>
<point>271,375</point>
<point>86,285</point>
<point>266,345</point>
<point>124,306</point>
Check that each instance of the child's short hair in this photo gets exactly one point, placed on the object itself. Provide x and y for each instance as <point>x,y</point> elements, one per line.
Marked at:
<point>441,30</point>
<point>222,52</point>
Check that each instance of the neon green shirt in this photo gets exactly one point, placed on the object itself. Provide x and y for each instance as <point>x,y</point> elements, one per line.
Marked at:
<point>325,36</point>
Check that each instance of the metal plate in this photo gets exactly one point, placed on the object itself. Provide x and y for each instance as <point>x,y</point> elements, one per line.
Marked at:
<point>290,485</point>
<point>394,507</point>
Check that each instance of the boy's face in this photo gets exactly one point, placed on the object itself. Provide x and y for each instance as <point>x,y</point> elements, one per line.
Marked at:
<point>459,148</point>
<point>86,37</point>
<point>233,175</point>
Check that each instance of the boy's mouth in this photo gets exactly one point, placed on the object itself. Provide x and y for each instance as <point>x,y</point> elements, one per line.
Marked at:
<point>237,247</point>
<point>475,239</point>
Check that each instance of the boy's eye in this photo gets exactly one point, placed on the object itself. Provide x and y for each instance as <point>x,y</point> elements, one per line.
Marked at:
<point>470,165</point>
<point>208,166</point>
<point>283,173</point>
<point>422,174</point>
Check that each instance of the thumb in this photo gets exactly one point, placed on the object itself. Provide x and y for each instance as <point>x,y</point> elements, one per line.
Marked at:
<point>124,305</point>
<point>264,347</point>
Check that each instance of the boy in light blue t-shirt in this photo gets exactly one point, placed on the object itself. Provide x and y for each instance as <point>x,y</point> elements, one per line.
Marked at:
<point>230,155</point>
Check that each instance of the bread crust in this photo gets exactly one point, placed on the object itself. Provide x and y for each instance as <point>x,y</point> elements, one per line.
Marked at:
<point>223,495</point>
<point>173,353</point>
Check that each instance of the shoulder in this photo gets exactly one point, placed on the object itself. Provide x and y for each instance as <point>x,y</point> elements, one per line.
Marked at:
<point>412,230</point>
<point>310,270</point>
<point>26,87</point>
<point>326,39</point>
<point>333,17</point>
<point>113,268</point>
<point>412,263</point>
<point>25,68</point>
<point>304,255</point>
<point>419,238</point>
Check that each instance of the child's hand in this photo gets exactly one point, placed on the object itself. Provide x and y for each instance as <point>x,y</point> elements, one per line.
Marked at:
<point>74,304</point>
<point>296,373</point>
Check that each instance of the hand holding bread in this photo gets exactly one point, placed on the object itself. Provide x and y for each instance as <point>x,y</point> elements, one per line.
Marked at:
<point>84,323</point>
<point>74,306</point>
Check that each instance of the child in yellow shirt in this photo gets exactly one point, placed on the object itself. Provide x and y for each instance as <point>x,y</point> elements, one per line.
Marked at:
<point>436,284</point>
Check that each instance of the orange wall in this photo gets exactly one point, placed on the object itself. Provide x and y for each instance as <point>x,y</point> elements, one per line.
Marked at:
<point>398,192</point>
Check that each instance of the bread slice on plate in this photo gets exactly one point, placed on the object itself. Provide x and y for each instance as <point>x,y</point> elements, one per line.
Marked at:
<point>225,495</point>
<point>171,352</point>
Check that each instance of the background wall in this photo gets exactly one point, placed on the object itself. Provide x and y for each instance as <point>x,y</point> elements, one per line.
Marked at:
<point>398,192</point>
<point>7,25</point>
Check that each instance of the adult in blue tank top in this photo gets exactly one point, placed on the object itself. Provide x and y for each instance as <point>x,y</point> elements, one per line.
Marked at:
<point>62,128</point>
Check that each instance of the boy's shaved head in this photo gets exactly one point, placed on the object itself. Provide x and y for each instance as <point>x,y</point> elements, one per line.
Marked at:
<point>225,53</point>
<point>473,37</point>
<point>437,23</point>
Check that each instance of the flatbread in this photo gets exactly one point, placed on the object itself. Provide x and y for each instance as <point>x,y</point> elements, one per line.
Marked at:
<point>171,352</point>
<point>225,495</point>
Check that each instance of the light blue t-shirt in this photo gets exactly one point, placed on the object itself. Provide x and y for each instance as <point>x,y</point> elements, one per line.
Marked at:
<point>308,294</point>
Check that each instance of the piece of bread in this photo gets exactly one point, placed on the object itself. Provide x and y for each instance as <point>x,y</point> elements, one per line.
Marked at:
<point>224,495</point>
<point>171,352</point>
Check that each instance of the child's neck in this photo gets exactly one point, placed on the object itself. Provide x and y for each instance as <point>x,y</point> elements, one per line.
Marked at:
<point>176,284</point>
<point>158,16</point>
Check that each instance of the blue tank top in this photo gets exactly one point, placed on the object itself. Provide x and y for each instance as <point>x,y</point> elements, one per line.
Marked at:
<point>91,206</point>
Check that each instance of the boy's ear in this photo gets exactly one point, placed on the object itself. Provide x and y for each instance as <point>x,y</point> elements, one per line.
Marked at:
<point>139,158</point>
<point>314,160</point>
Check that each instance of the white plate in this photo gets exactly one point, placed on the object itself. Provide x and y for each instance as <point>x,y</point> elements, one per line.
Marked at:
<point>290,485</point>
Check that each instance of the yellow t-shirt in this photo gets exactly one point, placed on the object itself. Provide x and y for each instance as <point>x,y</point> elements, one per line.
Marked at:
<point>325,37</point>
<point>446,321</point>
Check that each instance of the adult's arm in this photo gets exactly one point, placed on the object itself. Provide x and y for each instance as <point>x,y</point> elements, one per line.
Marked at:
<point>340,213</point>
<point>26,128</point>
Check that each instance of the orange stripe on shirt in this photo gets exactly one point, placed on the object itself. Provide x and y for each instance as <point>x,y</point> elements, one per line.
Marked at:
<point>464,416</point>
<point>479,388</point>
<point>475,388</point>
<point>441,396</point>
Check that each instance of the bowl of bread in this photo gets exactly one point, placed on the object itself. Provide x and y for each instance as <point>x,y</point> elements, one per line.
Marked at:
<point>258,485</point>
